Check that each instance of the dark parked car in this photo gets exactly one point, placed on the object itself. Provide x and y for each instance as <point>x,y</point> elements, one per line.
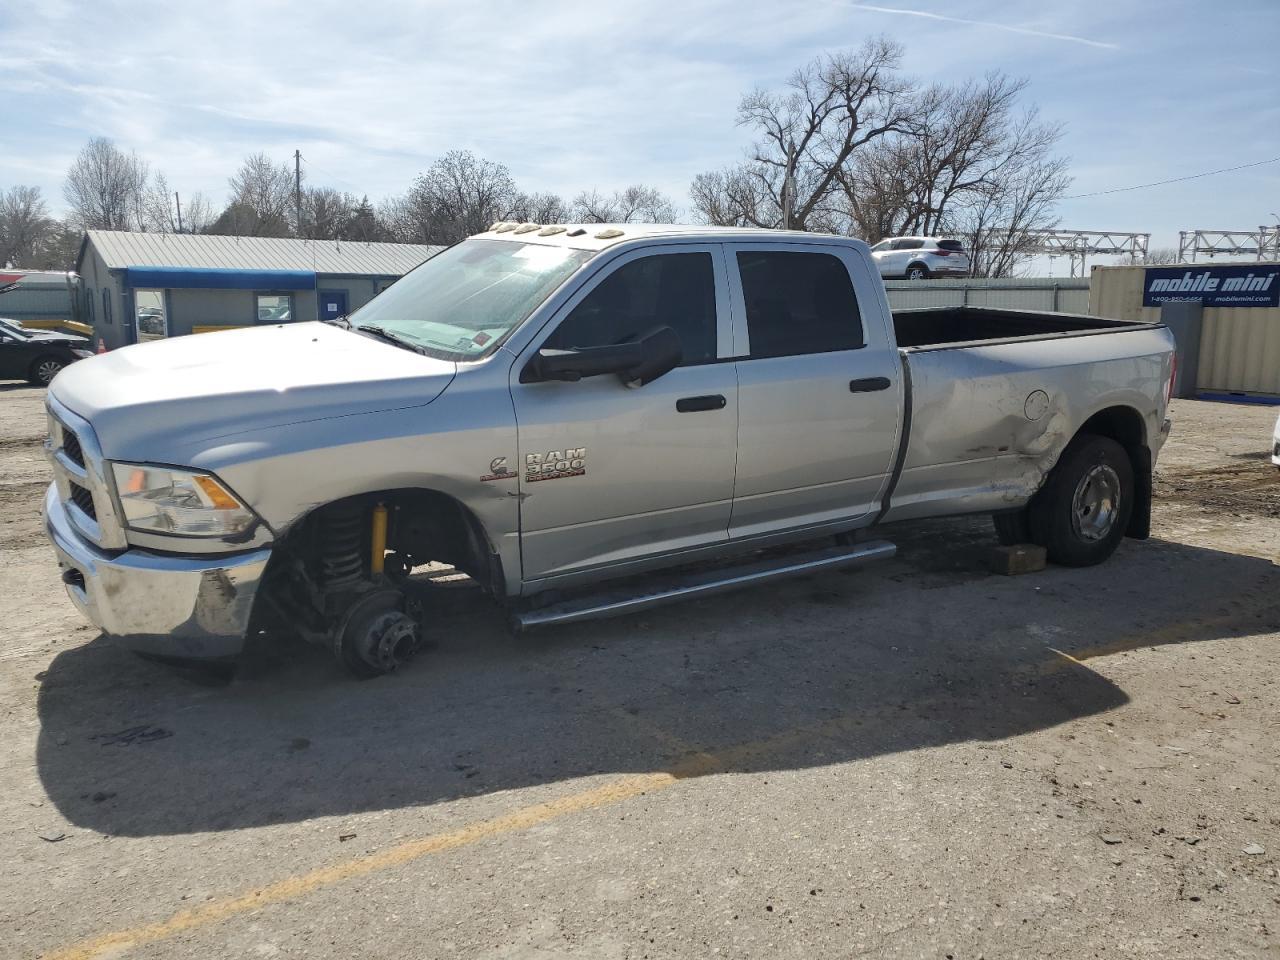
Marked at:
<point>25,355</point>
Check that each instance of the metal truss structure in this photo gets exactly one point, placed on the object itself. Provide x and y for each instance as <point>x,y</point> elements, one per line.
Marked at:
<point>1079,244</point>
<point>1261,244</point>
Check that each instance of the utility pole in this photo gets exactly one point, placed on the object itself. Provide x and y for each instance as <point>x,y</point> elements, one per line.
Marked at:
<point>297,191</point>
<point>178,201</point>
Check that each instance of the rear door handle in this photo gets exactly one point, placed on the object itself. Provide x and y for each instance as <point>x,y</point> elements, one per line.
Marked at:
<point>869,384</point>
<point>712,401</point>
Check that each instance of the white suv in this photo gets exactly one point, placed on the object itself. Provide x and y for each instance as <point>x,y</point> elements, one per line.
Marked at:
<point>919,258</point>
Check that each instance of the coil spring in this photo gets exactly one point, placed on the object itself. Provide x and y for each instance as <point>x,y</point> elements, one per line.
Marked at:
<point>342,532</point>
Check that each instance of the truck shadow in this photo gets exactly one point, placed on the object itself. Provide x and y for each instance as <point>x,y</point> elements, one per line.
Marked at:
<point>912,654</point>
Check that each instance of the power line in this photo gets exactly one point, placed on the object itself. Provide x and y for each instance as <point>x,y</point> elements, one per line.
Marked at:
<point>1161,183</point>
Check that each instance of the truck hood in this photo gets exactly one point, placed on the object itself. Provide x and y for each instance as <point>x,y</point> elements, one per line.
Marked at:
<point>147,401</point>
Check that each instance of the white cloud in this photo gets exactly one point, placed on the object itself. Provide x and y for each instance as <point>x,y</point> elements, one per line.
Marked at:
<point>995,25</point>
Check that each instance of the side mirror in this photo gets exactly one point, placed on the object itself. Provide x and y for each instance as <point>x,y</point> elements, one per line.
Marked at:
<point>637,361</point>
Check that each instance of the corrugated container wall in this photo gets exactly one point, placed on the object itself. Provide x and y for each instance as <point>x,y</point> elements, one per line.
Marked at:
<point>1064,295</point>
<point>1239,346</point>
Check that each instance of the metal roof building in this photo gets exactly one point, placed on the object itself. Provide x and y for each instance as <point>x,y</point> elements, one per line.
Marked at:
<point>145,286</point>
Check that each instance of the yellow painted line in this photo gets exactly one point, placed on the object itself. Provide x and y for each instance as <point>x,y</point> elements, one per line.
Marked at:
<point>1182,632</point>
<point>698,763</point>
<point>305,883</point>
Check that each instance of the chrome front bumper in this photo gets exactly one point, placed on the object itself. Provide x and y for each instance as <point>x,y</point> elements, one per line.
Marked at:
<point>185,607</point>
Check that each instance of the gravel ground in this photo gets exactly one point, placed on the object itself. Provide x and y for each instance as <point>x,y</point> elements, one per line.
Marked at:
<point>919,759</point>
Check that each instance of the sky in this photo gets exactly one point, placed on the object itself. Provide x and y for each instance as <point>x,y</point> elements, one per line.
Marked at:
<point>577,95</point>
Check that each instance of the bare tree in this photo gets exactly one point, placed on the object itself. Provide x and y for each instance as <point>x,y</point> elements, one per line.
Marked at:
<point>57,248</point>
<point>731,198</point>
<point>832,107</point>
<point>999,227</point>
<point>539,208</point>
<point>326,213</point>
<point>460,194</point>
<point>967,156</point>
<point>261,200</point>
<point>159,212</point>
<point>637,203</point>
<point>105,187</point>
<point>1159,256</point>
<point>24,225</point>
<point>197,213</point>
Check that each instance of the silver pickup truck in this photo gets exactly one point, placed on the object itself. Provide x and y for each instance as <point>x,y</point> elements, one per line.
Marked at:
<point>548,408</point>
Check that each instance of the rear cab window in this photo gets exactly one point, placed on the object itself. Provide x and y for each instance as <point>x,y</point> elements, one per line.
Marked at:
<point>797,303</point>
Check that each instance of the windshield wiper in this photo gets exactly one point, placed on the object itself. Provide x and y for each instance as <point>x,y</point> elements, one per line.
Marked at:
<point>390,337</point>
<point>342,322</point>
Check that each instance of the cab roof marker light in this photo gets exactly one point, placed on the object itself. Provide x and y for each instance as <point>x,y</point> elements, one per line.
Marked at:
<point>495,225</point>
<point>505,228</point>
<point>576,232</point>
<point>551,231</point>
<point>528,227</point>
<point>608,234</point>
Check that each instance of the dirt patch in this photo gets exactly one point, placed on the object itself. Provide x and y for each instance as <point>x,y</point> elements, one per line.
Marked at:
<point>1250,486</point>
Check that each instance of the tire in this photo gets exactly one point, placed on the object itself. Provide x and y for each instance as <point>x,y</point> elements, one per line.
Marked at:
<point>917,271</point>
<point>43,370</point>
<point>1081,513</point>
<point>1012,528</point>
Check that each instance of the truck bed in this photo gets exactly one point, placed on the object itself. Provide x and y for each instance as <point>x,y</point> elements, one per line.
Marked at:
<point>939,327</point>
<point>993,396</point>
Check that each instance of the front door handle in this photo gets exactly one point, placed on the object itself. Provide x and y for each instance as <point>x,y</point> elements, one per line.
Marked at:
<point>712,401</point>
<point>869,384</point>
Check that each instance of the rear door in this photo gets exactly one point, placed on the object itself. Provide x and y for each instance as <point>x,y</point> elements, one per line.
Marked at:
<point>904,251</point>
<point>612,474</point>
<point>819,386</point>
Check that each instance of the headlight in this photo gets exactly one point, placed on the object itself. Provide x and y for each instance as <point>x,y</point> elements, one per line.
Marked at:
<point>182,502</point>
<point>82,353</point>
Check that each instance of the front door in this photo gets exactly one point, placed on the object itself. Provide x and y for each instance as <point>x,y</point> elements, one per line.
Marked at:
<point>609,473</point>
<point>333,304</point>
<point>16,357</point>
<point>150,315</point>
<point>819,392</point>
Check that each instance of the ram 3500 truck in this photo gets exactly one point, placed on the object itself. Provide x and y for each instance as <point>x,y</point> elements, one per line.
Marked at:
<point>547,408</point>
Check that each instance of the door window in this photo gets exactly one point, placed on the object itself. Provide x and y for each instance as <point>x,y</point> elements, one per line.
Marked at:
<point>676,290</point>
<point>149,315</point>
<point>908,244</point>
<point>798,303</point>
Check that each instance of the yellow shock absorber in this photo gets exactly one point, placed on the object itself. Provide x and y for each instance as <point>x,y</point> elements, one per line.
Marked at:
<point>378,539</point>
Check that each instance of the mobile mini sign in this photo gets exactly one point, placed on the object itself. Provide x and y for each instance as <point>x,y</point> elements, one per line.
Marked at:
<point>1225,286</point>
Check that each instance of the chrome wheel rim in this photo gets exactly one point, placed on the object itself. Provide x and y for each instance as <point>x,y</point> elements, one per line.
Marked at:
<point>46,371</point>
<point>915,273</point>
<point>1096,503</point>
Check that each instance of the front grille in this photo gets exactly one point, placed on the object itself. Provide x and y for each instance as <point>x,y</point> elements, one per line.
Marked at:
<point>83,499</point>
<point>80,475</point>
<point>71,447</point>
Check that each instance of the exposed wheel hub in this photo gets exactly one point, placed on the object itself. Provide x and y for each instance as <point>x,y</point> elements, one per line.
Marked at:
<point>378,635</point>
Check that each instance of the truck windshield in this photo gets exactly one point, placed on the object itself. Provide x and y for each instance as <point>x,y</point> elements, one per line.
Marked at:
<point>464,300</point>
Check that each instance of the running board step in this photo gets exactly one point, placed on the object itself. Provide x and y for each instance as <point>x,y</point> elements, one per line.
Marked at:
<point>616,603</point>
